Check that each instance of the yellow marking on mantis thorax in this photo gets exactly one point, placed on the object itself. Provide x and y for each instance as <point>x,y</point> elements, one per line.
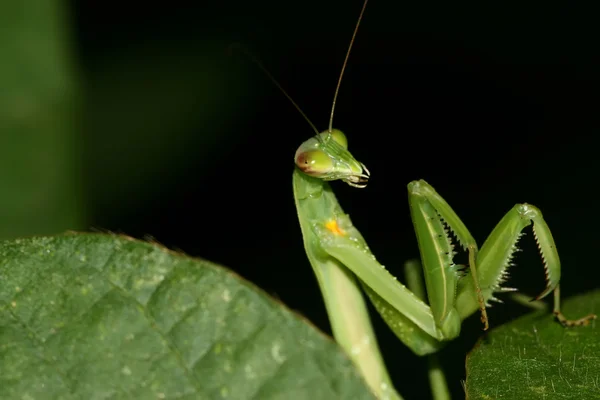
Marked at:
<point>334,228</point>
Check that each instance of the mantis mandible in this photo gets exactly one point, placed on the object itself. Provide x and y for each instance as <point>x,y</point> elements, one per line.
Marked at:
<point>343,263</point>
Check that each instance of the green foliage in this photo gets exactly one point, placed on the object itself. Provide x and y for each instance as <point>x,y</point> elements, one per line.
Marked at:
<point>534,357</point>
<point>90,316</point>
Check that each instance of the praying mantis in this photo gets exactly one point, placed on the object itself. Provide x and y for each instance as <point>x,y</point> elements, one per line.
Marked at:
<point>344,265</point>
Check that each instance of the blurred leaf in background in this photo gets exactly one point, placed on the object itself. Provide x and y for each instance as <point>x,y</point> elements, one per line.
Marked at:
<point>90,133</point>
<point>40,147</point>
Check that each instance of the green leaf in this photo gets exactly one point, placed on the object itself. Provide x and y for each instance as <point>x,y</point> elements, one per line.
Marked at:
<point>93,316</point>
<point>534,357</point>
<point>40,153</point>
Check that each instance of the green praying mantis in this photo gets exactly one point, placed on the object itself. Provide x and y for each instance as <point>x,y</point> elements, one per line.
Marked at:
<point>343,263</point>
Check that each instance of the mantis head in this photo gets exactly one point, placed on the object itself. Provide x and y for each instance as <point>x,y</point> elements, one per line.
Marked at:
<point>326,156</point>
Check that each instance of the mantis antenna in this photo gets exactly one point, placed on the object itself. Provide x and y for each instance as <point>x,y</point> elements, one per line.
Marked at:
<point>272,79</point>
<point>339,82</point>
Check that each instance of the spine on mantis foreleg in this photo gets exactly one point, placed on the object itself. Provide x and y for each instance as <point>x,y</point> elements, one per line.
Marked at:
<point>345,304</point>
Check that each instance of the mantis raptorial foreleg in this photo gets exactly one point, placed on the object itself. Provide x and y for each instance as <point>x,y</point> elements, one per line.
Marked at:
<point>432,217</point>
<point>501,245</point>
<point>420,326</point>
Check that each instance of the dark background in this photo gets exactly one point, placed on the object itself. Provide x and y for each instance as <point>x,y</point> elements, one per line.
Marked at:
<point>492,104</point>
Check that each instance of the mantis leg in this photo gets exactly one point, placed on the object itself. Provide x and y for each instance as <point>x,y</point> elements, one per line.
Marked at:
<point>583,321</point>
<point>437,380</point>
<point>432,218</point>
<point>495,257</point>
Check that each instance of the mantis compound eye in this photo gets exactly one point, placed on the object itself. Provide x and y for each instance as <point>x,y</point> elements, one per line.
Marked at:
<point>314,163</point>
<point>338,136</point>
